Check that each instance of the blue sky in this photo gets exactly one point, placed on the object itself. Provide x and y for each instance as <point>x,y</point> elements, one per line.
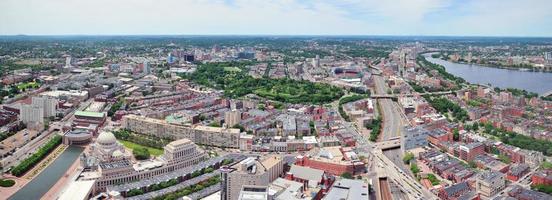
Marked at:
<point>278,17</point>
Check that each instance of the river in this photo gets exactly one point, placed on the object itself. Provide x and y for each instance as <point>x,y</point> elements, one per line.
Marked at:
<point>47,178</point>
<point>538,82</point>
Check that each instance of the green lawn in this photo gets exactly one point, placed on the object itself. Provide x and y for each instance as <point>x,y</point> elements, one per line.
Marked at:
<point>132,145</point>
<point>232,69</point>
<point>28,85</point>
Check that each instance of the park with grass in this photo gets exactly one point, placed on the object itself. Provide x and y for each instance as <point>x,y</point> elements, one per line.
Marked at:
<point>232,78</point>
<point>27,85</point>
<point>142,146</point>
<point>141,149</point>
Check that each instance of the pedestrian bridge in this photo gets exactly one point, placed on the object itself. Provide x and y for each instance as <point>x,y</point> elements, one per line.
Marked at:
<point>389,144</point>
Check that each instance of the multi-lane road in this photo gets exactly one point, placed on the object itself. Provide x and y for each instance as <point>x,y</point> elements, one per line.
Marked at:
<point>391,160</point>
<point>393,122</point>
<point>392,117</point>
<point>33,145</point>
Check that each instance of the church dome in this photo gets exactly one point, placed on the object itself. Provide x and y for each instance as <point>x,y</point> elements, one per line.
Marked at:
<point>106,139</point>
<point>117,154</point>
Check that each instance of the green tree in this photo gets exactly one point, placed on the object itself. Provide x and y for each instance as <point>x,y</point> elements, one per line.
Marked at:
<point>6,182</point>
<point>141,153</point>
<point>408,157</point>
<point>546,165</point>
<point>472,164</point>
<point>134,192</point>
<point>414,168</point>
<point>543,188</point>
<point>455,134</point>
<point>347,175</point>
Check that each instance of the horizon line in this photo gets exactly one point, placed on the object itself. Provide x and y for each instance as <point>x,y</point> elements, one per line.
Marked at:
<point>268,35</point>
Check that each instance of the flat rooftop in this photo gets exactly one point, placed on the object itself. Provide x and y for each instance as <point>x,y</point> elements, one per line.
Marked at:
<point>77,190</point>
<point>217,129</point>
<point>89,114</point>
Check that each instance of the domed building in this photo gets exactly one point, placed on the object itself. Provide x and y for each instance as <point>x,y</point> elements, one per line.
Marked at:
<point>77,137</point>
<point>106,148</point>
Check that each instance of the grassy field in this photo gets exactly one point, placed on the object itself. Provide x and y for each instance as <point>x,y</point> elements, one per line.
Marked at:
<point>28,85</point>
<point>232,69</point>
<point>132,145</point>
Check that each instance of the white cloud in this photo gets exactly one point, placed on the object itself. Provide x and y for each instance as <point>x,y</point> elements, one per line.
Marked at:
<point>401,11</point>
<point>372,17</point>
<point>504,18</point>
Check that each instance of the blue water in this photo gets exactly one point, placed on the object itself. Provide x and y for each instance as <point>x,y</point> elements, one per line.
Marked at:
<point>47,178</point>
<point>539,82</point>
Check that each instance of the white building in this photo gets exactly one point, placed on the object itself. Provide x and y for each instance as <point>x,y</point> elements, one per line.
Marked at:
<point>31,114</point>
<point>251,172</point>
<point>548,55</point>
<point>48,104</point>
<point>68,61</point>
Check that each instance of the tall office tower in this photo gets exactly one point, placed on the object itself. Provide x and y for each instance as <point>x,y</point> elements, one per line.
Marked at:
<point>68,61</point>
<point>170,59</point>
<point>402,63</point>
<point>316,61</point>
<point>31,114</point>
<point>251,172</point>
<point>48,105</point>
<point>215,49</point>
<point>147,69</point>
<point>548,56</point>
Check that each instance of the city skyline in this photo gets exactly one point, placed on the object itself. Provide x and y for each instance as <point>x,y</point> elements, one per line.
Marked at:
<point>275,99</point>
<point>292,17</point>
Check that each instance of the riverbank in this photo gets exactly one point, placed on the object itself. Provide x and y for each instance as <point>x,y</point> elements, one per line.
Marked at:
<point>62,183</point>
<point>547,69</point>
<point>499,66</point>
<point>536,82</point>
<point>45,180</point>
<point>45,162</point>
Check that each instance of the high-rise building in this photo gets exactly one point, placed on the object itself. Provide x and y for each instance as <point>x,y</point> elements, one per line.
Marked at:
<point>215,49</point>
<point>316,61</point>
<point>548,55</point>
<point>147,69</point>
<point>48,104</point>
<point>31,114</point>
<point>246,55</point>
<point>232,118</point>
<point>253,171</point>
<point>189,57</point>
<point>170,59</point>
<point>68,61</point>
